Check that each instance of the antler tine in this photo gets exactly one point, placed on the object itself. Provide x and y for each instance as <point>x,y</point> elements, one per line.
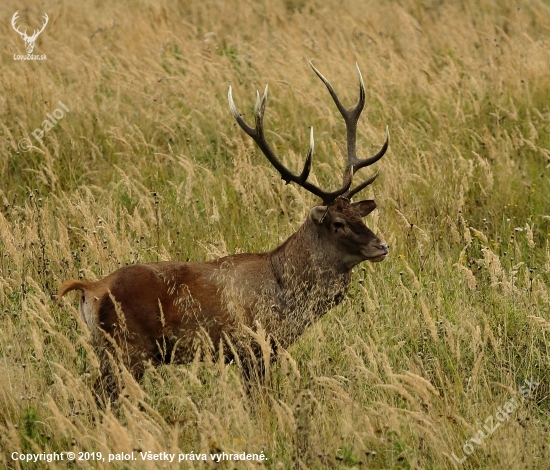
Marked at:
<point>371,160</point>
<point>14,18</point>
<point>258,136</point>
<point>349,194</point>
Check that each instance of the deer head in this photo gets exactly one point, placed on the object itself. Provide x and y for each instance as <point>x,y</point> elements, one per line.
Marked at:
<point>341,227</point>
<point>29,40</point>
<point>338,221</point>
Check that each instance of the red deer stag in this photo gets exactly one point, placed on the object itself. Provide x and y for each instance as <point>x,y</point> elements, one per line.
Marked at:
<point>171,311</point>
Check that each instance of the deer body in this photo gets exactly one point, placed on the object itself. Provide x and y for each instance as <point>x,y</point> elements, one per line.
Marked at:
<point>167,311</point>
<point>171,309</point>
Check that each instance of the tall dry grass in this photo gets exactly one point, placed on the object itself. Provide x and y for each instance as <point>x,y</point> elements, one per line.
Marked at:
<point>149,165</point>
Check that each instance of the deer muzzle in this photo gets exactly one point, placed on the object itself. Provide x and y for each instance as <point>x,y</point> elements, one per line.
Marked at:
<point>378,252</point>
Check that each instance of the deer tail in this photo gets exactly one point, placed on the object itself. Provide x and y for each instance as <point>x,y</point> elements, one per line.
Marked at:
<point>71,284</point>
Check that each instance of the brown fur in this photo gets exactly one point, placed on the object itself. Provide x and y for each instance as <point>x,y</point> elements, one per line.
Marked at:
<point>162,311</point>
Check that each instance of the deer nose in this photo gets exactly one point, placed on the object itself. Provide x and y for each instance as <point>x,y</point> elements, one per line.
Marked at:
<point>385,247</point>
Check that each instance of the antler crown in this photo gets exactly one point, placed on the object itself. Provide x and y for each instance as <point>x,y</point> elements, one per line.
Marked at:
<point>351,117</point>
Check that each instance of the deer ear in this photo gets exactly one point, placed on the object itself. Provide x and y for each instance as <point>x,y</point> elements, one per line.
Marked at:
<point>318,214</point>
<point>364,207</point>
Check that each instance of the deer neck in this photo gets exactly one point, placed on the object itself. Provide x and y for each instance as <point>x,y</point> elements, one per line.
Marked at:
<point>306,258</point>
<point>309,281</point>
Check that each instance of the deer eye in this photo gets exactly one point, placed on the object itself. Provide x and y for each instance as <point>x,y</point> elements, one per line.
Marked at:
<point>338,226</point>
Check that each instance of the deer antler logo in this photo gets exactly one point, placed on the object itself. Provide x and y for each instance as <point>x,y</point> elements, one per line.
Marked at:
<point>29,40</point>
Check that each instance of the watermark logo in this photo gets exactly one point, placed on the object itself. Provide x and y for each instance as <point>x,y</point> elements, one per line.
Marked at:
<point>57,114</point>
<point>29,40</point>
<point>492,424</point>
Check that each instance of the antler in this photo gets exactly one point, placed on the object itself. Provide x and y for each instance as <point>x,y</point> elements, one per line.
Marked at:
<point>351,116</point>
<point>24,35</point>
<point>36,33</point>
<point>257,133</point>
<point>13,20</point>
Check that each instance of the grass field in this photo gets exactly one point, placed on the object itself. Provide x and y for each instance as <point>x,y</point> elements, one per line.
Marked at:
<point>428,352</point>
